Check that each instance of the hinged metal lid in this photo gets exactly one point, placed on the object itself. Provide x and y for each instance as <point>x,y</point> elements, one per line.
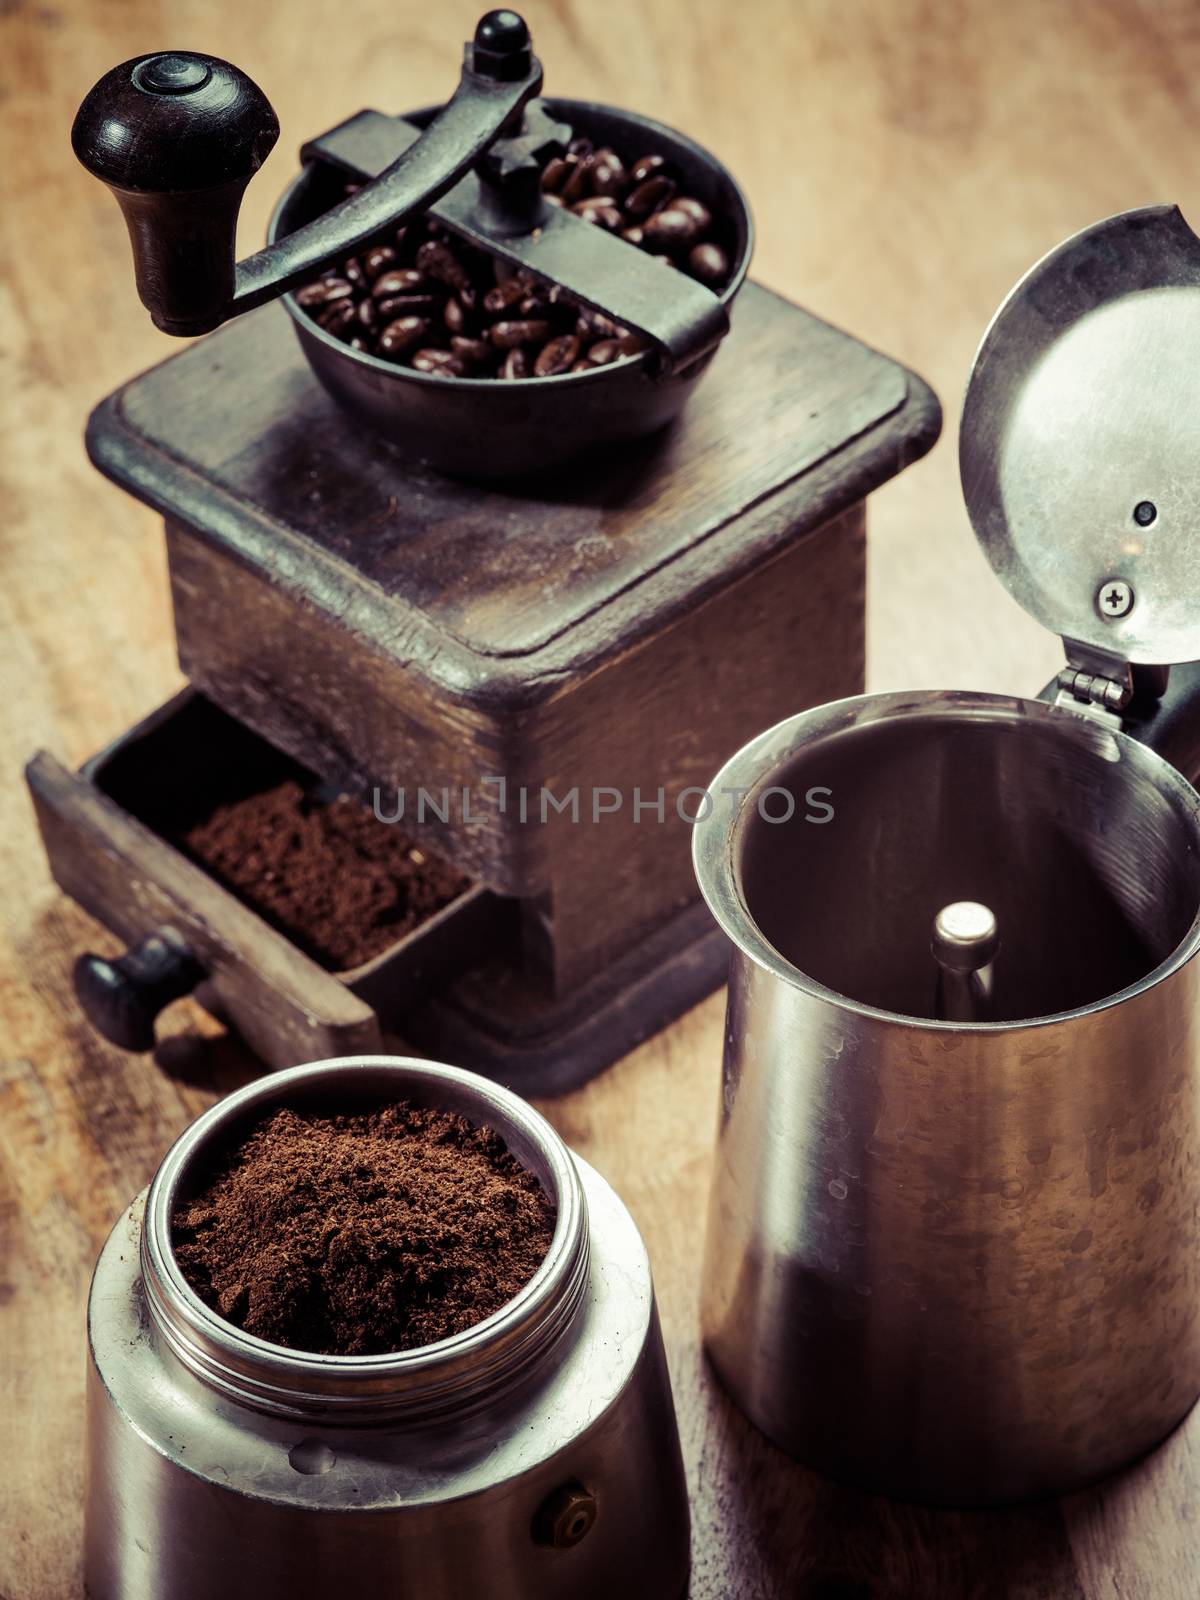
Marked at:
<point>1080,442</point>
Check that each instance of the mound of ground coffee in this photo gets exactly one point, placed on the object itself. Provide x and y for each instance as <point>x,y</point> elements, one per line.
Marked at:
<point>358,1235</point>
<point>340,883</point>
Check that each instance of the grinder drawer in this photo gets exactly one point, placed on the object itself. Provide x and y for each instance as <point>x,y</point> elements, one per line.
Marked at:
<point>110,848</point>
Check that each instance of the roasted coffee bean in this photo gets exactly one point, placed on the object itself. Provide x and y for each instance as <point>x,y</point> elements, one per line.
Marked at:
<point>557,356</point>
<point>608,175</point>
<point>400,280</point>
<point>554,200</point>
<point>473,352</point>
<point>632,344</point>
<point>338,316</point>
<point>337,298</point>
<point>581,145</point>
<point>409,305</point>
<point>538,305</point>
<point>507,335</point>
<point>324,293</point>
<point>440,262</point>
<point>516,364</point>
<point>576,183</point>
<point>368,313</point>
<point>311,296</point>
<point>454,317</point>
<point>696,209</point>
<point>505,295</point>
<point>403,335</point>
<point>442,362</point>
<point>377,261</point>
<point>634,235</point>
<point>582,365</point>
<point>591,325</point>
<point>709,263</point>
<point>359,343</point>
<point>643,169</point>
<point>649,195</point>
<point>603,352</point>
<point>554,174</point>
<point>601,210</point>
<point>352,271</point>
<point>669,229</point>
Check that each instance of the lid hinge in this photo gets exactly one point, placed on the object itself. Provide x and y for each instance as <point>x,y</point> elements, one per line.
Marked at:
<point>1095,683</point>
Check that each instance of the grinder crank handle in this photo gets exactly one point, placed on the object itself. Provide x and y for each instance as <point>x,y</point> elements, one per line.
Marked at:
<point>177,136</point>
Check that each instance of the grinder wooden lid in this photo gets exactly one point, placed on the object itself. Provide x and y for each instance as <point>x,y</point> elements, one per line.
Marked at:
<point>1078,447</point>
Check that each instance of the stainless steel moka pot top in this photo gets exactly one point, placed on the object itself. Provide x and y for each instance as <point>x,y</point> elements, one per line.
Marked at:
<point>532,1457</point>
<point>954,1242</point>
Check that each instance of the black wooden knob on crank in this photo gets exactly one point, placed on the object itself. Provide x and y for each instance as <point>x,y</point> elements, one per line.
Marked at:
<point>122,998</point>
<point>177,136</point>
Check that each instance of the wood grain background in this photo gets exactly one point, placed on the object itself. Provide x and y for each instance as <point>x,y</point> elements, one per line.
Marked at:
<point>906,161</point>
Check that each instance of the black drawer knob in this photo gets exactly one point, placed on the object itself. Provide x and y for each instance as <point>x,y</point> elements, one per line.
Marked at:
<point>122,998</point>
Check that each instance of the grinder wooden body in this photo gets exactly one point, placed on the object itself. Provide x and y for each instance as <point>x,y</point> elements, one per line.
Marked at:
<point>549,673</point>
<point>610,636</point>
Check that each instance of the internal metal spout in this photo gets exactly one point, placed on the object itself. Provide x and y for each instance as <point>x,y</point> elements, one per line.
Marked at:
<point>965,940</point>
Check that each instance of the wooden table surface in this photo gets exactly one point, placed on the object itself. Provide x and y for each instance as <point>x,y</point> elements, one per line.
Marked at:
<point>906,161</point>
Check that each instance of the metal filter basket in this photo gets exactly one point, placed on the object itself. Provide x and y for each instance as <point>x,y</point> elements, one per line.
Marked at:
<point>532,1457</point>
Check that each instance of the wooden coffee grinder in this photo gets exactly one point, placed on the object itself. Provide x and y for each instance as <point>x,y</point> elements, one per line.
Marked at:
<point>493,591</point>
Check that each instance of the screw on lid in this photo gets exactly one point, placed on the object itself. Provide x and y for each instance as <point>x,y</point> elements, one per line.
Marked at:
<point>1077,448</point>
